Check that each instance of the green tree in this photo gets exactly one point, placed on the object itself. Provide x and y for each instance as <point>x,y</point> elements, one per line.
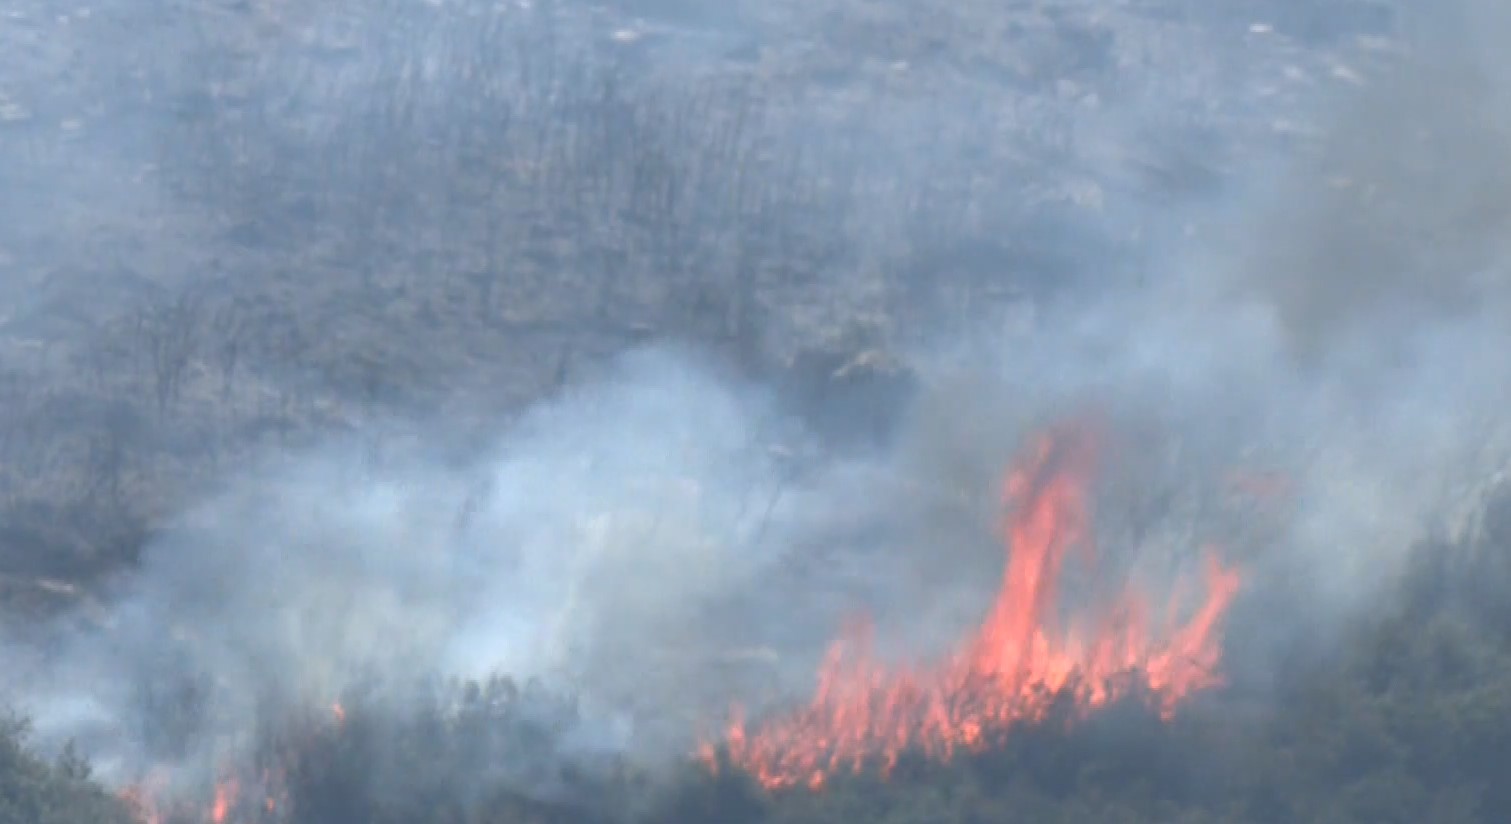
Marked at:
<point>34,791</point>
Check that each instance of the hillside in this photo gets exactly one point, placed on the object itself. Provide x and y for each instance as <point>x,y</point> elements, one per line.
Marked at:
<point>434,411</point>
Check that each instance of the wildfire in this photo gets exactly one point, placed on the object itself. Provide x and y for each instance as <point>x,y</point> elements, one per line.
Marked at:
<point>1014,667</point>
<point>225,798</point>
<point>241,795</point>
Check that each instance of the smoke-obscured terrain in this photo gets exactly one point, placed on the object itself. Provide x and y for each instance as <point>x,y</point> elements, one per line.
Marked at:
<point>455,411</point>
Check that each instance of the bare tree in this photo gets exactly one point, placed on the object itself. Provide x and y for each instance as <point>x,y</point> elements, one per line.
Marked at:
<point>231,327</point>
<point>107,458</point>
<point>170,333</point>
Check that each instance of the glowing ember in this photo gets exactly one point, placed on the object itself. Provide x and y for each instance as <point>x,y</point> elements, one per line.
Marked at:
<point>1015,666</point>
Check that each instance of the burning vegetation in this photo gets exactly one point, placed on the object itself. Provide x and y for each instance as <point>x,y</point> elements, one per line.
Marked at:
<point>386,753</point>
<point>256,792</point>
<point>471,208</point>
<point>1018,663</point>
<point>1029,658</point>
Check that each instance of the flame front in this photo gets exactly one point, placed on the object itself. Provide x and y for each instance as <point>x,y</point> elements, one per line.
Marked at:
<point>240,795</point>
<point>1013,668</point>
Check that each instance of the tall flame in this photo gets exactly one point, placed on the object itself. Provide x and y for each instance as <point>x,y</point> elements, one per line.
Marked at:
<point>1013,668</point>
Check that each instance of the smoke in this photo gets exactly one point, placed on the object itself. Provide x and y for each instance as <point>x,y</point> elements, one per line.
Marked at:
<point>577,551</point>
<point>1386,224</point>
<point>1375,263</point>
<point>1333,313</point>
<point>667,536</point>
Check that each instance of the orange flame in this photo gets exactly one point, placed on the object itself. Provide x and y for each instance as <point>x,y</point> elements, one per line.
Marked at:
<point>151,805</point>
<point>225,798</point>
<point>237,794</point>
<point>1014,667</point>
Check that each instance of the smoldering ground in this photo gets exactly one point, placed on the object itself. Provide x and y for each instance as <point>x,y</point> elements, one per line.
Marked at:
<point>668,526</point>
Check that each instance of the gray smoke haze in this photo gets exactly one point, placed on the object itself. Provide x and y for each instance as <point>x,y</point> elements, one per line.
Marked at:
<point>666,536</point>
<point>1391,226</point>
<point>583,543</point>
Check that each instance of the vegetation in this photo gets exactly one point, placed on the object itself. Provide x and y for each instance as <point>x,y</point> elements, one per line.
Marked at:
<point>1407,720</point>
<point>278,260</point>
<point>33,791</point>
<point>426,246</point>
